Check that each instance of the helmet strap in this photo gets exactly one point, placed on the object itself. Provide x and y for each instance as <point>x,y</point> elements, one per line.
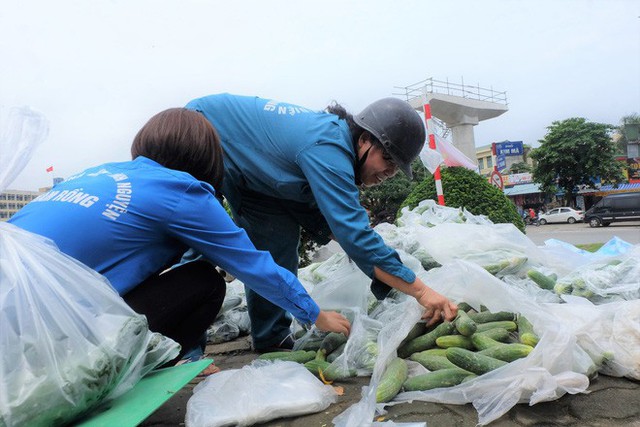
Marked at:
<point>358,164</point>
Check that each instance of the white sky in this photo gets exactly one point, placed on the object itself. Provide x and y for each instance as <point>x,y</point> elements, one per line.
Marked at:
<point>99,69</point>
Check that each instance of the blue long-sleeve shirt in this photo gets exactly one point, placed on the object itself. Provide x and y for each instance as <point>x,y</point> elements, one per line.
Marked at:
<point>129,220</point>
<point>292,153</point>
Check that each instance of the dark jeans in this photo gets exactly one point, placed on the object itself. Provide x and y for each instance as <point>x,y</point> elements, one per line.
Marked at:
<point>273,225</point>
<point>180,303</point>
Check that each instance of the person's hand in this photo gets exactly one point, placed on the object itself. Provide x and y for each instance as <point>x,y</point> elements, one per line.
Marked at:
<point>330,321</point>
<point>437,306</point>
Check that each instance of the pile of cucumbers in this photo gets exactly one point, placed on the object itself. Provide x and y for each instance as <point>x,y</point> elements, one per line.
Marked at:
<point>471,345</point>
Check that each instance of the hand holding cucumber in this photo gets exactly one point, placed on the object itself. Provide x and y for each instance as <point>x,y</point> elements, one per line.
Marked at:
<point>331,321</point>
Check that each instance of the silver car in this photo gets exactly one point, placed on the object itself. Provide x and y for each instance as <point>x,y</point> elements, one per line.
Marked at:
<point>562,214</point>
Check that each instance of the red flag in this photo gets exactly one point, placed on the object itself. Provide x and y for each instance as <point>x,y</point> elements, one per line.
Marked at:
<point>50,169</point>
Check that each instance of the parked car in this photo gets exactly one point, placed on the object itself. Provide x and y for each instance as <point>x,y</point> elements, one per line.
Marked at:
<point>614,207</point>
<point>563,214</point>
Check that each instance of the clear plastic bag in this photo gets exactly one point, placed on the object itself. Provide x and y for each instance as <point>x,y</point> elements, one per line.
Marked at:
<point>67,339</point>
<point>21,131</point>
<point>341,286</point>
<point>606,279</point>
<point>610,333</point>
<point>257,393</point>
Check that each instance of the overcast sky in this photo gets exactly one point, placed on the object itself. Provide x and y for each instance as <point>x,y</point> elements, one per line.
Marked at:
<point>99,69</point>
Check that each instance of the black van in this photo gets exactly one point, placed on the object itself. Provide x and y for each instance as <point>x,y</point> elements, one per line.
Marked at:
<point>614,207</point>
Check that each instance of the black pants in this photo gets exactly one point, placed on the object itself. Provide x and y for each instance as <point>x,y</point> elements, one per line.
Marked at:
<point>180,303</point>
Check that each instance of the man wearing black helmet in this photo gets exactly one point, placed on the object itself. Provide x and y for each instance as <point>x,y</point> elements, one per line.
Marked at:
<point>288,167</point>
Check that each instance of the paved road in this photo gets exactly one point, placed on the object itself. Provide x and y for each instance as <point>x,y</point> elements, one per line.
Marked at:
<point>581,233</point>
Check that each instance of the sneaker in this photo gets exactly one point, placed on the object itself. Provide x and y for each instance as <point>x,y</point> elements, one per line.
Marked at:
<point>285,345</point>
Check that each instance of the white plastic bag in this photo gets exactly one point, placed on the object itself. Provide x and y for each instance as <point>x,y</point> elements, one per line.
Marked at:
<point>257,393</point>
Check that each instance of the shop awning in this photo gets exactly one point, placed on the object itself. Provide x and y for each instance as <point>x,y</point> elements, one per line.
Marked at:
<point>621,188</point>
<point>517,190</point>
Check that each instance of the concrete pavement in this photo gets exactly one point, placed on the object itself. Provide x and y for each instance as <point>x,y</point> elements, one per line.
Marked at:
<point>612,402</point>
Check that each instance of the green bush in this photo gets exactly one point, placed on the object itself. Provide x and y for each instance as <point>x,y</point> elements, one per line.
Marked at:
<point>465,188</point>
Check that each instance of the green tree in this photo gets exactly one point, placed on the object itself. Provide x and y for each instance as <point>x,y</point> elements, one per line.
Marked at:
<point>520,167</point>
<point>465,188</point>
<point>575,152</point>
<point>382,201</point>
<point>631,119</point>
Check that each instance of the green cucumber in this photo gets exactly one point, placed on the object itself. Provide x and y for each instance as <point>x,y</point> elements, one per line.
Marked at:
<point>437,379</point>
<point>509,325</point>
<point>300,356</point>
<point>431,362</point>
<point>447,341</point>
<point>392,379</point>
<point>426,341</point>
<point>488,316</point>
<point>508,352</point>
<point>482,341</point>
<point>464,324</point>
<point>545,282</point>
<point>473,362</point>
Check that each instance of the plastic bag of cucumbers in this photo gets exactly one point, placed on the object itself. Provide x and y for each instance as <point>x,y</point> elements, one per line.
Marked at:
<point>554,365</point>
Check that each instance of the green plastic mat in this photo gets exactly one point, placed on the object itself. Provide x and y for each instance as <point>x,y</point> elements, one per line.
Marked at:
<point>149,394</point>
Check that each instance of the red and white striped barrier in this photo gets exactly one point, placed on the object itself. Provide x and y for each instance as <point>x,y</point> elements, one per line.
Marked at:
<point>432,145</point>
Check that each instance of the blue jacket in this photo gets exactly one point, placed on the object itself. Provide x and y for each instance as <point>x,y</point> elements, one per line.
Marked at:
<point>131,220</point>
<point>289,152</point>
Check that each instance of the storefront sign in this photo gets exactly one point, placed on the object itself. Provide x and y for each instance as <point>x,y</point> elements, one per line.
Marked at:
<point>517,178</point>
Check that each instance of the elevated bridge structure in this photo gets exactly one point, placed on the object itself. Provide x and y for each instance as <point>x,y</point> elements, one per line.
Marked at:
<point>460,107</point>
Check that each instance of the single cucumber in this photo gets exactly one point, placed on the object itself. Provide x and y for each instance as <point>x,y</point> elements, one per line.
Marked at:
<point>508,352</point>
<point>300,356</point>
<point>332,341</point>
<point>482,341</point>
<point>525,332</point>
<point>473,362</point>
<point>464,307</point>
<point>420,328</point>
<point>498,334</point>
<point>437,379</point>
<point>488,316</point>
<point>336,353</point>
<point>426,341</point>
<point>329,373</point>
<point>431,362</point>
<point>434,352</point>
<point>562,288</point>
<point>545,282</point>
<point>464,324</point>
<point>447,341</point>
<point>509,325</point>
<point>529,338</point>
<point>392,379</point>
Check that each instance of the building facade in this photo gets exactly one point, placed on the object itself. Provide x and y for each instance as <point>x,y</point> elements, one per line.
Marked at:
<point>11,201</point>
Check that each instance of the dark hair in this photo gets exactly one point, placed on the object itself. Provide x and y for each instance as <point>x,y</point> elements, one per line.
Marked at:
<point>354,128</point>
<point>183,140</point>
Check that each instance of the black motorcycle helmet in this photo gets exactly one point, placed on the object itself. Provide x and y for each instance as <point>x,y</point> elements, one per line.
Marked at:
<point>398,127</point>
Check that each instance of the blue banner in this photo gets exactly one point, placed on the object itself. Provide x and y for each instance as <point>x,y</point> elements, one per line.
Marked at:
<point>509,148</point>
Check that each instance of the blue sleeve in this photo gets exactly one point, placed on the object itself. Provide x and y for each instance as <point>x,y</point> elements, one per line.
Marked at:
<point>201,222</point>
<point>329,171</point>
